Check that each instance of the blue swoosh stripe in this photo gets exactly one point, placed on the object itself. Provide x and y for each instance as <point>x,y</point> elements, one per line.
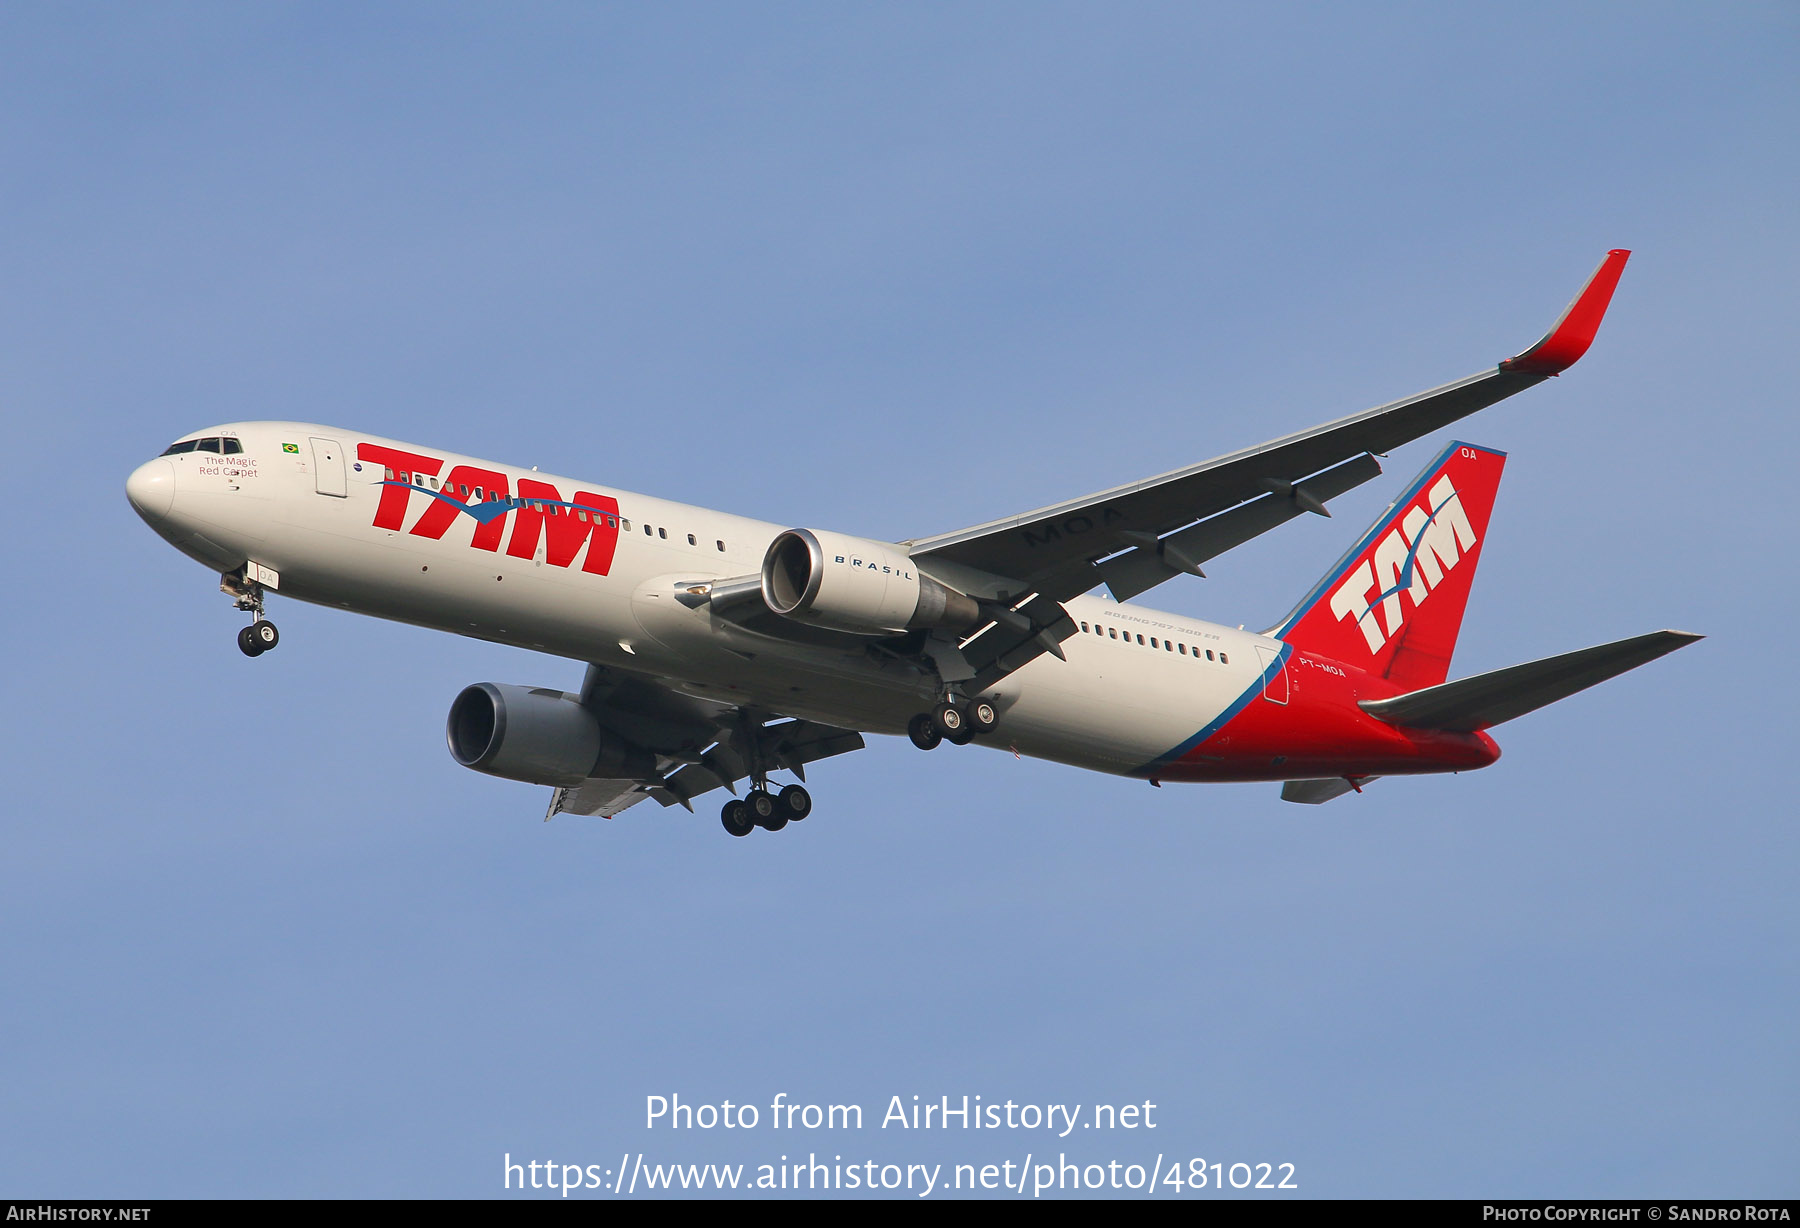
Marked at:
<point>1236,706</point>
<point>493,509</point>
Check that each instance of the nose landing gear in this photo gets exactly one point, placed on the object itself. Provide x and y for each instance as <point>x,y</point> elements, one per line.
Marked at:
<point>260,636</point>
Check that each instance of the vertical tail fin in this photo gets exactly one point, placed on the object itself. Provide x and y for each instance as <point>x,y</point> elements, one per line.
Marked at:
<point>1394,603</point>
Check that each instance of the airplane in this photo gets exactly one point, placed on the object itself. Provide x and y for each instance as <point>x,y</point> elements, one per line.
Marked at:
<point>721,649</point>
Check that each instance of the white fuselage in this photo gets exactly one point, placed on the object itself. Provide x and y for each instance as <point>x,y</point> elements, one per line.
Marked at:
<point>308,502</point>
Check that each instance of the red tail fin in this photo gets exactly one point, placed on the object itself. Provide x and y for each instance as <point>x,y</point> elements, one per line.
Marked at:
<point>1394,603</point>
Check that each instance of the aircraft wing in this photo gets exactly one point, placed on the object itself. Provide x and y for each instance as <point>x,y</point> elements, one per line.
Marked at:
<point>700,745</point>
<point>1169,524</point>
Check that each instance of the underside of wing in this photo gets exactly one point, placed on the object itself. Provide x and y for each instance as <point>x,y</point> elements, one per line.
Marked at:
<point>699,745</point>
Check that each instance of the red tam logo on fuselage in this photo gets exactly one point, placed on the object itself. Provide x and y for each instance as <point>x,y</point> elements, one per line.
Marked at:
<point>483,496</point>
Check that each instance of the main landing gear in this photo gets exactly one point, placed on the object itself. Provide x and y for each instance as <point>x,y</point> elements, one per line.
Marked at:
<point>260,636</point>
<point>950,722</point>
<point>769,811</point>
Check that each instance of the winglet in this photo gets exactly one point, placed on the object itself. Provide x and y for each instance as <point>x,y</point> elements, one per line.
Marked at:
<point>1574,331</point>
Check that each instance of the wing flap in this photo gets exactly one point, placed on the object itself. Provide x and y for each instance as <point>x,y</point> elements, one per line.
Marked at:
<point>1018,635</point>
<point>790,745</point>
<point>1149,564</point>
<point>596,798</point>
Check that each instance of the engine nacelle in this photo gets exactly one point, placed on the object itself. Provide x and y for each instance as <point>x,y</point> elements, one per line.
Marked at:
<point>856,585</point>
<point>537,735</point>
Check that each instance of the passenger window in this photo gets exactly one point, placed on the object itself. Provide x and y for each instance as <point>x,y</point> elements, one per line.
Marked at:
<point>233,447</point>
<point>1140,639</point>
<point>207,445</point>
<point>1084,628</point>
<point>1209,655</point>
<point>1153,641</point>
<point>1183,648</point>
<point>721,547</point>
<point>648,532</point>
<point>478,494</point>
<point>692,541</point>
<point>663,533</point>
<point>1168,647</point>
<point>1224,660</point>
<point>626,525</point>
<point>1112,632</point>
<point>390,473</point>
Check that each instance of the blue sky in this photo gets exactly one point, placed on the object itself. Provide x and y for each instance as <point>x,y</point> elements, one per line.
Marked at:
<point>895,270</point>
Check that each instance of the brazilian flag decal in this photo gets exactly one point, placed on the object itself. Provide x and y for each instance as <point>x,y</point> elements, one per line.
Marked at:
<point>290,447</point>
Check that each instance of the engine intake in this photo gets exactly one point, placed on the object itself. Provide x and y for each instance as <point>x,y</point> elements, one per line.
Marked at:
<point>856,585</point>
<point>537,735</point>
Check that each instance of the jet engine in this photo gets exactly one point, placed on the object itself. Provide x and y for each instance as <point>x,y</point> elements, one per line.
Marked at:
<point>537,735</point>
<point>856,585</point>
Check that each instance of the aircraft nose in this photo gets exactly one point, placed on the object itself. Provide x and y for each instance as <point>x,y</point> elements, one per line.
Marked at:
<point>151,489</point>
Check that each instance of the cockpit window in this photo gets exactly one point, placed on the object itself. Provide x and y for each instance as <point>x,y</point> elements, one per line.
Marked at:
<point>212,443</point>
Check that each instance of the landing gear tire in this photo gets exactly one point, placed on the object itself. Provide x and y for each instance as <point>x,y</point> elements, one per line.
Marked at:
<point>793,802</point>
<point>763,810</point>
<point>265,635</point>
<point>982,716</point>
<point>247,642</point>
<point>949,720</point>
<point>736,818</point>
<point>966,736</point>
<point>923,731</point>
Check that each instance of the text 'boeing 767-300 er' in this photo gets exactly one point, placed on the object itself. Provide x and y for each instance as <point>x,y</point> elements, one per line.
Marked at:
<point>721,649</point>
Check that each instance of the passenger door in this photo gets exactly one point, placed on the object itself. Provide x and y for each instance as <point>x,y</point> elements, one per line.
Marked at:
<point>328,468</point>
<point>1275,684</point>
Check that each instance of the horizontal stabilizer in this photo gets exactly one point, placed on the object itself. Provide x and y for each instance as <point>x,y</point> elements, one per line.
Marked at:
<point>1489,699</point>
<point>1317,792</point>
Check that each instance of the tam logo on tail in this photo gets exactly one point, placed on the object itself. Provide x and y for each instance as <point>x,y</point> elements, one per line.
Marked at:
<point>1412,559</point>
<point>1394,604</point>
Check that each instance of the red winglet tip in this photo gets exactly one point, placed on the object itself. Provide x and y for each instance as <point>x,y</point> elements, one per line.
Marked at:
<point>1569,338</point>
